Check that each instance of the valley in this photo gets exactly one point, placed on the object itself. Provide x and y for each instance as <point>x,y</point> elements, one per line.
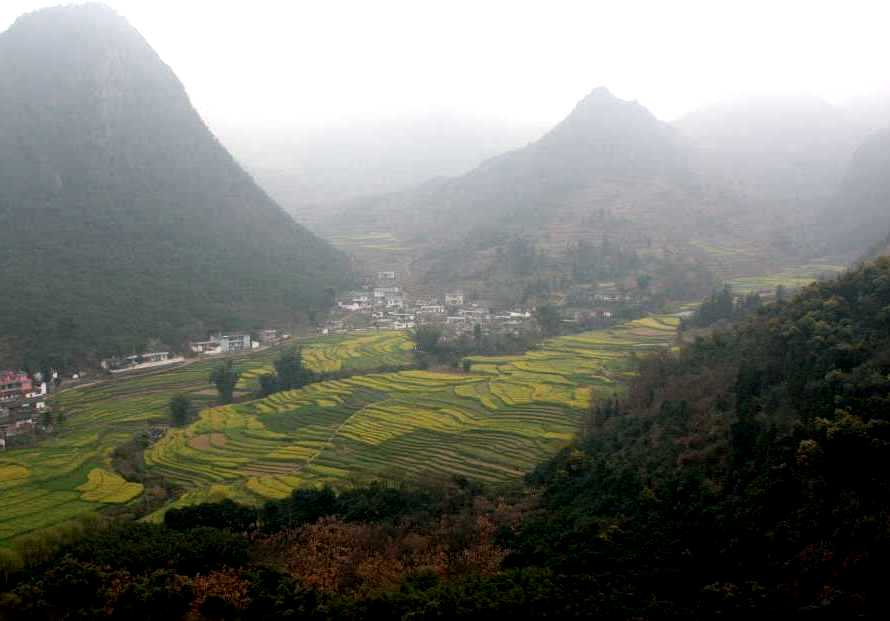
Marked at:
<point>491,424</point>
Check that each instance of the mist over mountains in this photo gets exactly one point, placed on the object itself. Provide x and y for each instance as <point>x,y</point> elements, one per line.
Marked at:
<point>778,149</point>
<point>305,169</point>
<point>121,216</point>
<point>119,207</point>
<point>604,141</point>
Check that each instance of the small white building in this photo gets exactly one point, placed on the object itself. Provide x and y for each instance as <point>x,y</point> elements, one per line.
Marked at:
<point>211,346</point>
<point>231,343</point>
<point>383,292</point>
<point>455,298</point>
<point>394,302</point>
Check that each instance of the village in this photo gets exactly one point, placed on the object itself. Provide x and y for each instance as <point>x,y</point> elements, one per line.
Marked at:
<point>384,305</point>
<point>381,304</point>
<point>23,405</point>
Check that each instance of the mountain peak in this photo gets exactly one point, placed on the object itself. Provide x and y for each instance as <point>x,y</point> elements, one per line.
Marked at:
<point>118,200</point>
<point>89,15</point>
<point>602,112</point>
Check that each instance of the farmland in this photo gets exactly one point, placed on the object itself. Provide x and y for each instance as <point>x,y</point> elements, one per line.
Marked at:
<point>71,472</point>
<point>492,424</point>
<point>790,277</point>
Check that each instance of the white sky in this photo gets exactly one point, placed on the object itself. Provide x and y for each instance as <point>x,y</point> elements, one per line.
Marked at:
<point>276,62</point>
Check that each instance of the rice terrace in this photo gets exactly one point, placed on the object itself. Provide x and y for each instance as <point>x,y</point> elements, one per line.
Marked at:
<point>491,424</point>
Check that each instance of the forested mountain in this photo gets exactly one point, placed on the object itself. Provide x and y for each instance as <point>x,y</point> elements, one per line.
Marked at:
<point>607,154</point>
<point>609,171</point>
<point>881,249</point>
<point>859,215</point>
<point>789,151</point>
<point>121,216</point>
<point>744,475</point>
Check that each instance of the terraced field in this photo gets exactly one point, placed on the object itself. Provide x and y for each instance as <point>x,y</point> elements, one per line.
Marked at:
<point>492,424</point>
<point>791,278</point>
<point>71,472</point>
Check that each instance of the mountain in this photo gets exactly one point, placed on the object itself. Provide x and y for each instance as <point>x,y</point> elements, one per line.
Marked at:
<point>307,169</point>
<point>881,249</point>
<point>609,170</point>
<point>600,147</point>
<point>121,216</point>
<point>789,151</point>
<point>747,472</point>
<point>859,214</point>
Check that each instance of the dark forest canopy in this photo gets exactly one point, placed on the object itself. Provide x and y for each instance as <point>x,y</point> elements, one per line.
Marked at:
<point>121,216</point>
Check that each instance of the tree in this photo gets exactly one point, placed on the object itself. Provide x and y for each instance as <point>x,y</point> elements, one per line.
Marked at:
<point>46,419</point>
<point>180,410</point>
<point>467,364</point>
<point>427,338</point>
<point>549,319</point>
<point>289,369</point>
<point>268,384</point>
<point>225,377</point>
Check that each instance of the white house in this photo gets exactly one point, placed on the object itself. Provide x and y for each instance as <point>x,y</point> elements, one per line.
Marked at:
<point>230,343</point>
<point>455,298</point>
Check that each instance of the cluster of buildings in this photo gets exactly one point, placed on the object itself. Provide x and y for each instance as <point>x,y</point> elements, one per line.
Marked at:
<point>233,343</point>
<point>148,360</point>
<point>385,306</point>
<point>236,342</point>
<point>21,397</point>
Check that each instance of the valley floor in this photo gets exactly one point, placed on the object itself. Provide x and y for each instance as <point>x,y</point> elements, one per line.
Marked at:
<point>492,424</point>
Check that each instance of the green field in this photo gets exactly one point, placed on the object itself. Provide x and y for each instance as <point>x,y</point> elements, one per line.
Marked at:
<point>492,424</point>
<point>71,473</point>
<point>790,278</point>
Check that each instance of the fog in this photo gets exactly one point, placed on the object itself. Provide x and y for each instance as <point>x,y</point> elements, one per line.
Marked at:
<point>276,63</point>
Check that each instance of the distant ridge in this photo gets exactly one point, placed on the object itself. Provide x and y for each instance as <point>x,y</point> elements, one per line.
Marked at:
<point>603,145</point>
<point>859,216</point>
<point>121,216</point>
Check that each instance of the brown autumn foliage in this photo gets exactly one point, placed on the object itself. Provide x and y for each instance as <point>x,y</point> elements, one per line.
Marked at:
<point>226,584</point>
<point>340,557</point>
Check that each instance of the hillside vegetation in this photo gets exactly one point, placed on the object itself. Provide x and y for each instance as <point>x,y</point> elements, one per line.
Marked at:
<point>121,216</point>
<point>743,475</point>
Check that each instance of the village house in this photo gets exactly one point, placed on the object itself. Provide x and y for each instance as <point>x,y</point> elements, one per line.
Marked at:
<point>222,344</point>
<point>455,298</point>
<point>474,314</point>
<point>14,385</point>
<point>210,346</point>
<point>386,275</point>
<point>381,293</point>
<point>231,343</point>
<point>269,336</point>
<point>395,301</point>
<point>432,309</point>
<point>140,361</point>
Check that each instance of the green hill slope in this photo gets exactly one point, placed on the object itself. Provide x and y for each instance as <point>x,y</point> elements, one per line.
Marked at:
<point>121,216</point>
<point>748,472</point>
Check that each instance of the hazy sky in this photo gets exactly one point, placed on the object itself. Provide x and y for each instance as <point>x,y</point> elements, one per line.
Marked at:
<point>326,61</point>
